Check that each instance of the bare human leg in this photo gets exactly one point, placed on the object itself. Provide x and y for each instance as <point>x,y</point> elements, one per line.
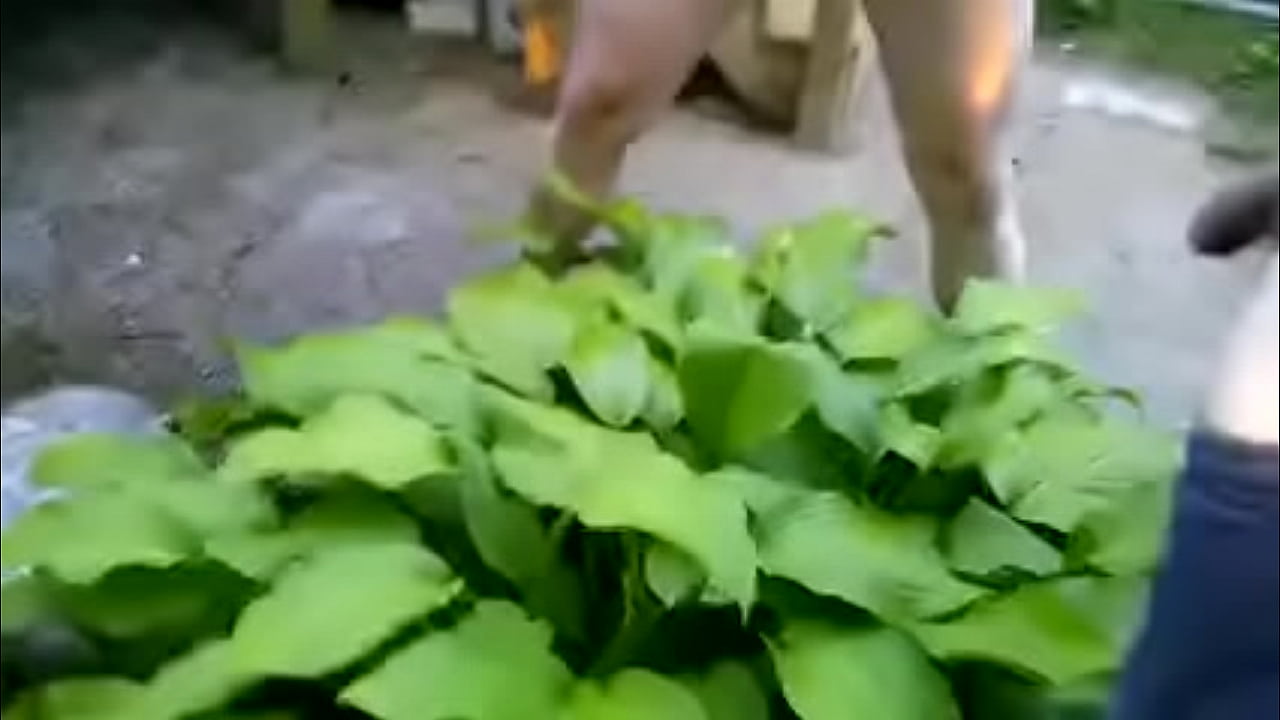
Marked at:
<point>951,68</point>
<point>628,61</point>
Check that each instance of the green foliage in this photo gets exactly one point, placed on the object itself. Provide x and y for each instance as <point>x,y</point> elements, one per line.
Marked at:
<point>829,671</point>
<point>671,484</point>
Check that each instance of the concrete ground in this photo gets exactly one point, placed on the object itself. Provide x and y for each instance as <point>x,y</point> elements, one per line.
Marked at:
<point>165,188</point>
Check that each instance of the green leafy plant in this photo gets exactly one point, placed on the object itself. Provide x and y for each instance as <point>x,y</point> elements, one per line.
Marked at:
<point>677,483</point>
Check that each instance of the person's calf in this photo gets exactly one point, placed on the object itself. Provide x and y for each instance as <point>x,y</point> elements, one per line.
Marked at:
<point>966,190</point>
<point>599,114</point>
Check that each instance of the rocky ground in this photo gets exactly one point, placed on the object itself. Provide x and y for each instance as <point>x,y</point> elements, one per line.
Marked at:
<point>166,188</point>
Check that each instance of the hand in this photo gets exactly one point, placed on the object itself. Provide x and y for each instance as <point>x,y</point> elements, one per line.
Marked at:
<point>1243,398</point>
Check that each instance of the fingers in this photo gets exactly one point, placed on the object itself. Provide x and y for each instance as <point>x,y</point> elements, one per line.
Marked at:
<point>1237,217</point>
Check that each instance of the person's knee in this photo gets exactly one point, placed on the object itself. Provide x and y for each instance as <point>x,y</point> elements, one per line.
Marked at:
<point>955,173</point>
<point>604,103</point>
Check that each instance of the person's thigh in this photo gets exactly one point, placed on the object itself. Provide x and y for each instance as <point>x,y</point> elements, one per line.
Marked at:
<point>636,55</point>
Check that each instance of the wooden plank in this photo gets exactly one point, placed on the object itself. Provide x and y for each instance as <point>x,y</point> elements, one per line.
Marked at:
<point>833,73</point>
<point>789,20</point>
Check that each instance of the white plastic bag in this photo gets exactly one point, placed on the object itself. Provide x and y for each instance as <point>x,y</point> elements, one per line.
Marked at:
<point>32,423</point>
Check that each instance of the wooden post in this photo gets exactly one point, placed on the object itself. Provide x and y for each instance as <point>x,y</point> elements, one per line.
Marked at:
<point>306,34</point>
<point>838,50</point>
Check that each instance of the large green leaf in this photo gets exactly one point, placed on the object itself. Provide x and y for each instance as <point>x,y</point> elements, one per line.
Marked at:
<point>337,605</point>
<point>833,672</point>
<point>808,267</point>
<point>513,322</point>
<point>254,715</point>
<point>982,541</point>
<point>990,408</point>
<point>951,360</point>
<point>729,691</point>
<point>901,433</point>
<point>350,516</point>
<point>203,679</point>
<point>132,602</point>
<point>671,247</point>
<point>633,694</point>
<point>881,329</point>
<point>1127,537</point>
<point>1062,469</point>
<point>988,305</point>
<point>410,361</point>
<point>86,698</point>
<point>716,293</point>
<point>361,435</point>
<point>610,367</point>
<point>26,599</point>
<point>1058,631</point>
<point>160,471</point>
<point>808,455</point>
<point>674,248</point>
<point>986,690</point>
<point>739,392</point>
<point>596,285</point>
<point>763,494</point>
<point>496,664</point>
<point>848,403</point>
<point>664,408</point>
<point>208,507</point>
<point>506,530</point>
<point>96,461</point>
<point>887,564</point>
<point>512,540</point>
<point>672,575</point>
<point>621,480</point>
<point>82,538</point>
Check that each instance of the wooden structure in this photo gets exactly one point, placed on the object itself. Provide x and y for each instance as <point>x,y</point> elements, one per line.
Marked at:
<point>835,72</point>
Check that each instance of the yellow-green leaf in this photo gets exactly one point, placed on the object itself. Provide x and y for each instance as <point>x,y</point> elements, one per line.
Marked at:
<point>664,408</point>
<point>334,607</point>
<point>982,541</point>
<point>885,563</point>
<point>833,672</point>
<point>597,286</point>
<point>881,329</point>
<point>358,435</point>
<point>809,267</point>
<point>740,392</point>
<point>92,461</point>
<point>1064,468</point>
<point>730,691</point>
<point>609,366</point>
<point>496,664</point>
<point>671,574</point>
<point>989,305</point>
<point>717,294</point>
<point>84,698</point>
<point>411,361</point>
<point>512,321</point>
<point>1058,631</point>
<point>352,516</point>
<point>82,538</point>
<point>619,480</point>
<point>633,694</point>
<point>202,679</point>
